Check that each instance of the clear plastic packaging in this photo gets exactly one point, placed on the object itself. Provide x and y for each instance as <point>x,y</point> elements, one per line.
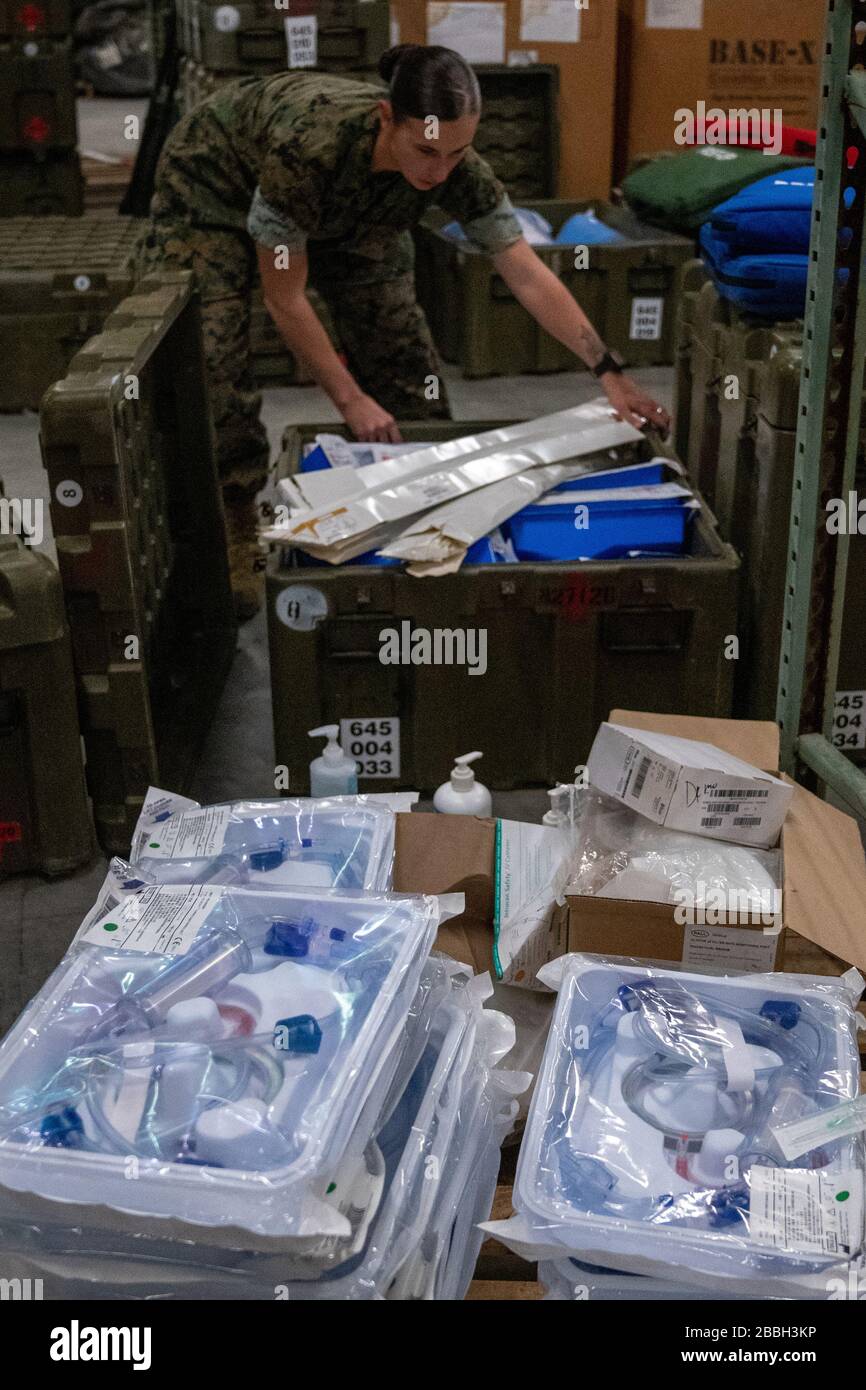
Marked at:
<point>326,843</point>
<point>650,1143</point>
<point>451,1104</point>
<point>574,1281</point>
<point>231,1078</point>
<point>623,855</point>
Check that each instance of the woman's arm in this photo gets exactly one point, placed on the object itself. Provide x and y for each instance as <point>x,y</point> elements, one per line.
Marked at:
<point>299,326</point>
<point>550,304</point>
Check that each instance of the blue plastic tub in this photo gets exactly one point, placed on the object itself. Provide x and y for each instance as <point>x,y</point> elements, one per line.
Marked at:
<point>613,529</point>
<point>636,475</point>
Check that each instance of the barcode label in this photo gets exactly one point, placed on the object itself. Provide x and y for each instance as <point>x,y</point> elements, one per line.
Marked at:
<point>711,821</point>
<point>641,777</point>
<point>747,820</point>
<point>741,795</point>
<point>723,807</point>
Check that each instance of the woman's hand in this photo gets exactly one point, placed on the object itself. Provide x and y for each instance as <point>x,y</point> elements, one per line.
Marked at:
<point>634,405</point>
<point>368,421</point>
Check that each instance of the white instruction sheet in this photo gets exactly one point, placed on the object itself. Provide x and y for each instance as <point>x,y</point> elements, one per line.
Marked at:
<point>475,30</point>
<point>549,21</point>
<point>675,14</point>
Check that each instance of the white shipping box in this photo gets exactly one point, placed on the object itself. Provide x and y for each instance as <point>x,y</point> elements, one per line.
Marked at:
<point>686,785</point>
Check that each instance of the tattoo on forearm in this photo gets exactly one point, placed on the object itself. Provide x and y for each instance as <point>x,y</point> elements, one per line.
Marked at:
<point>590,346</point>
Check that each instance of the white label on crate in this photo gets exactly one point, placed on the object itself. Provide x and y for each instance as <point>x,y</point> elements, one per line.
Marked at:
<point>227,19</point>
<point>302,40</point>
<point>675,14</point>
<point>163,919</point>
<point>69,493</point>
<point>849,719</point>
<point>646,320</point>
<point>806,1210</point>
<point>198,834</point>
<point>301,607</point>
<point>374,744</point>
<point>735,948</point>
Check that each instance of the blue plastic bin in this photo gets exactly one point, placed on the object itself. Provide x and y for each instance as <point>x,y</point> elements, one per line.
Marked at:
<point>636,475</point>
<point>613,529</point>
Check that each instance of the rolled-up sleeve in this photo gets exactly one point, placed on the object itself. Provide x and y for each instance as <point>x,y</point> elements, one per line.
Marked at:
<point>474,195</point>
<point>272,228</point>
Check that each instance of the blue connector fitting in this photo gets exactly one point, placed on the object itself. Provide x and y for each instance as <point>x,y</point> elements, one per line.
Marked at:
<point>270,858</point>
<point>290,939</point>
<point>729,1206</point>
<point>62,1129</point>
<point>785,1012</point>
<point>629,998</point>
<point>299,1034</point>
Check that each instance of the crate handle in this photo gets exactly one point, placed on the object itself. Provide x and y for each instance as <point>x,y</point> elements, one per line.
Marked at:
<point>629,631</point>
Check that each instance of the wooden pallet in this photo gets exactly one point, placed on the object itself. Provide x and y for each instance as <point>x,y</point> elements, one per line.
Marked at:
<point>500,1274</point>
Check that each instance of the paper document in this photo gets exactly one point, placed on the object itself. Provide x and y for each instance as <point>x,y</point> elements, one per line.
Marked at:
<point>549,21</point>
<point>477,31</point>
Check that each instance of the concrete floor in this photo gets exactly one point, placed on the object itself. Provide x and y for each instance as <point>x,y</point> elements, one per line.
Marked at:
<point>37,917</point>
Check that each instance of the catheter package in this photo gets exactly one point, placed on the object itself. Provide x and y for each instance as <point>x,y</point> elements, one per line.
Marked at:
<point>621,854</point>
<point>329,842</point>
<point>211,1058</point>
<point>653,1136</point>
<point>427,1179</point>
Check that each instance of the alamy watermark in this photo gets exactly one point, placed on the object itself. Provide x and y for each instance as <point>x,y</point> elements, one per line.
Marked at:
<point>740,126</point>
<point>712,906</point>
<point>24,517</point>
<point>438,646</point>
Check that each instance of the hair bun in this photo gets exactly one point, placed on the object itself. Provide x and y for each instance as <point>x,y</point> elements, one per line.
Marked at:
<point>392,57</point>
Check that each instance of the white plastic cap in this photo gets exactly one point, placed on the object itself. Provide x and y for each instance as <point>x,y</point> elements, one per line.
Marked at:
<point>332,752</point>
<point>462,776</point>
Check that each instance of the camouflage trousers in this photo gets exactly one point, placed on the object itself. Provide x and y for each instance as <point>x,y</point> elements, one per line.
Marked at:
<point>379,327</point>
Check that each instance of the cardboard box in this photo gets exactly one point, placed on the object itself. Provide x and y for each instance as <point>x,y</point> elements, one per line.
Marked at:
<point>823,891</point>
<point>732,57</point>
<point>685,784</point>
<point>587,84</point>
<point>824,882</point>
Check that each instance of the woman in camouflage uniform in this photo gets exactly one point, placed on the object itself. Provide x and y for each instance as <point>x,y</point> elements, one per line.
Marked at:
<point>317,180</point>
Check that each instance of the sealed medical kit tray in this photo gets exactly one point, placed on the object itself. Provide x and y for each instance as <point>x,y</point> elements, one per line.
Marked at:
<point>44,817</point>
<point>60,277</point>
<point>250,36</point>
<point>49,186</point>
<point>628,289</point>
<point>600,629</point>
<point>128,445</point>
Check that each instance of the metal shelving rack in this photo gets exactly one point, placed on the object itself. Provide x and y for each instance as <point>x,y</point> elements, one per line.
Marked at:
<point>830,424</point>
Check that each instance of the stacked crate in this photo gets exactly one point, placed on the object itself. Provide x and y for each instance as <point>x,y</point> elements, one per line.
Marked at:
<point>518,133</point>
<point>39,166</point>
<point>59,279</point>
<point>127,442</point>
<point>742,392</point>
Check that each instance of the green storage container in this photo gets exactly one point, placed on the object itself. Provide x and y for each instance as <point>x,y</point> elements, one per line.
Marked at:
<point>693,277</point>
<point>249,36</point>
<point>519,130</point>
<point>59,279</point>
<point>628,290</point>
<point>127,442</point>
<point>49,187</point>
<point>31,21</point>
<point>44,816</point>
<point>565,644</point>
<point>37,97</point>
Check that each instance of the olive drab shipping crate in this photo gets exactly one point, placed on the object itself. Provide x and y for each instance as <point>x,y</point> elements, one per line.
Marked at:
<point>127,442</point>
<point>743,404</point>
<point>44,816</point>
<point>564,644</point>
<point>256,36</point>
<point>59,279</point>
<point>518,133</point>
<point>37,95</point>
<point>628,289</point>
<point>51,186</point>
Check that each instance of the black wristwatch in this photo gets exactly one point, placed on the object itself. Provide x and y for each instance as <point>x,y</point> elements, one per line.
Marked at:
<point>609,363</point>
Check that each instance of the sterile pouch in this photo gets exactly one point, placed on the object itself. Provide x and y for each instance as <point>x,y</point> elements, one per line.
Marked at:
<point>322,843</point>
<point>225,1043</point>
<point>651,1139</point>
<point>623,855</point>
